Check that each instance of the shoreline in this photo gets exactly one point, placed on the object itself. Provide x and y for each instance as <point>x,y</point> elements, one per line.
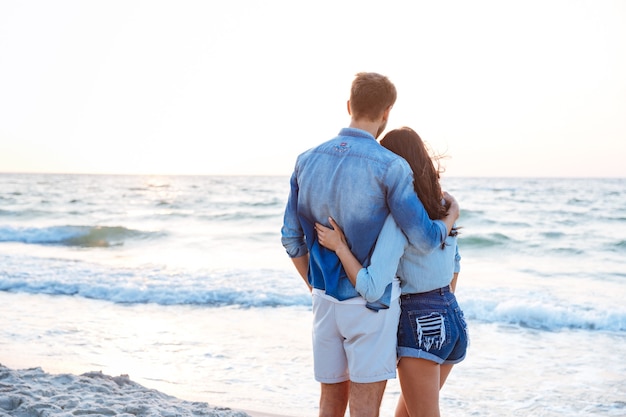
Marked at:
<point>33,390</point>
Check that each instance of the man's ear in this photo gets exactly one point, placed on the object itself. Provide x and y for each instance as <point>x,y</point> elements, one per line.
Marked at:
<point>386,113</point>
<point>348,106</point>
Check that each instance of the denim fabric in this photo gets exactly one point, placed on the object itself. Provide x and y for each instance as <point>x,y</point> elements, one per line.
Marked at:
<point>432,327</point>
<point>357,182</point>
<point>417,272</point>
<point>374,280</point>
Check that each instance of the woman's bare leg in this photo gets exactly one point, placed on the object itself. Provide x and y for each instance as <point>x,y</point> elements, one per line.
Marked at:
<point>420,382</point>
<point>401,410</point>
<point>444,371</point>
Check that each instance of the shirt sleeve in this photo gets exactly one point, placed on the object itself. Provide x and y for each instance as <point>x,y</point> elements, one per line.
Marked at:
<point>372,281</point>
<point>457,261</point>
<point>292,234</point>
<point>424,234</point>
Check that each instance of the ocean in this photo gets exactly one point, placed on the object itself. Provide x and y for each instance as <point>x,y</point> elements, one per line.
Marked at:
<point>181,282</point>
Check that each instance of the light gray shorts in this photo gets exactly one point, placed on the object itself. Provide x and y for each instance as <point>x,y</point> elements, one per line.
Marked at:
<point>352,342</point>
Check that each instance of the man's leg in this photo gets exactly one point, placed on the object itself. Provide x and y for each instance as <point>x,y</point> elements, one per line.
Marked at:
<point>370,345</point>
<point>334,399</point>
<point>365,399</point>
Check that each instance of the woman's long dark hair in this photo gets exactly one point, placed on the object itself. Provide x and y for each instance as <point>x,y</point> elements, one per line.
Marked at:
<point>408,144</point>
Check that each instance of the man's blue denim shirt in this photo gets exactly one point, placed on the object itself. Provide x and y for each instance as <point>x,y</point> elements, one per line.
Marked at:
<point>357,182</point>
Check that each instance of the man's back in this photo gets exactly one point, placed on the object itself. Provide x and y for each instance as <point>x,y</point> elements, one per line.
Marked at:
<point>352,179</point>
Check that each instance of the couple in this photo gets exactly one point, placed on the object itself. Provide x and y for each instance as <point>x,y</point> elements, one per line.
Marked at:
<point>362,325</point>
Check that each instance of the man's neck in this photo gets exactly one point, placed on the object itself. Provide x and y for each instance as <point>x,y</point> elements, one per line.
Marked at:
<point>367,125</point>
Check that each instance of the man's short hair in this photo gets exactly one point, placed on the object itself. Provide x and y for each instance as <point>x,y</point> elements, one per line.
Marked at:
<point>370,95</point>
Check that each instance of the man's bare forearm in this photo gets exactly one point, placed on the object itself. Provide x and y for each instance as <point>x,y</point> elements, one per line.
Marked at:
<point>302,266</point>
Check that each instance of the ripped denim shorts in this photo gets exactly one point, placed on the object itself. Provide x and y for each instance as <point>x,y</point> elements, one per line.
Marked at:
<point>432,327</point>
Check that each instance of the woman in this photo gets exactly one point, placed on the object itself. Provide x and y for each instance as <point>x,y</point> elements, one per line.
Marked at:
<point>432,333</point>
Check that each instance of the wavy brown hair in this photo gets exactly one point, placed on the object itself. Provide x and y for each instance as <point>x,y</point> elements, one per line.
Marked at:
<point>406,143</point>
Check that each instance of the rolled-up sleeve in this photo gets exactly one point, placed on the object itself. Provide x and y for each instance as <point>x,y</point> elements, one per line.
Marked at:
<point>372,281</point>
<point>292,234</point>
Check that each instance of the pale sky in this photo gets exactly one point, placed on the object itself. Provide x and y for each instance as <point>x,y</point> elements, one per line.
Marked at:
<point>504,88</point>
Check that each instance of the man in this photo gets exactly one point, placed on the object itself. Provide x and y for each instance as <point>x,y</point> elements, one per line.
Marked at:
<point>357,182</point>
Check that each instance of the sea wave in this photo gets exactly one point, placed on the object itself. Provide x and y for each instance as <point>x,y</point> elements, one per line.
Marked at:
<point>268,288</point>
<point>68,235</point>
<point>483,241</point>
<point>162,295</point>
<point>151,284</point>
<point>534,315</point>
<point>545,316</point>
<point>27,213</point>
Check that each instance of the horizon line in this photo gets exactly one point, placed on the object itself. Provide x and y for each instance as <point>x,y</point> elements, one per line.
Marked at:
<point>288,175</point>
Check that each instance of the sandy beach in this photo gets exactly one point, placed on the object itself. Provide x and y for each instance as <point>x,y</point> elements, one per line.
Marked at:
<point>34,392</point>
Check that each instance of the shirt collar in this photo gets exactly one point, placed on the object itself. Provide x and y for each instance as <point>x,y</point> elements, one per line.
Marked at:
<point>357,133</point>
